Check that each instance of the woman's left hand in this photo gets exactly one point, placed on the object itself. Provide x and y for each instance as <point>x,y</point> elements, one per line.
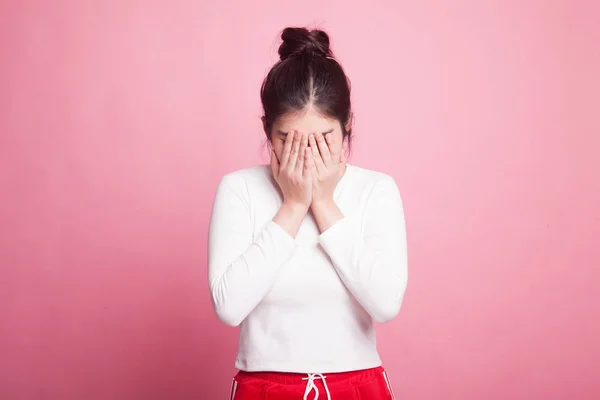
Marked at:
<point>329,166</point>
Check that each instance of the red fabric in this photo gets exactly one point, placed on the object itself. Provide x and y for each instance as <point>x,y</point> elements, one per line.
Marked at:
<point>369,384</point>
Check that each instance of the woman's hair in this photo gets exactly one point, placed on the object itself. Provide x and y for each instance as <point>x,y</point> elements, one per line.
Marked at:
<point>306,75</point>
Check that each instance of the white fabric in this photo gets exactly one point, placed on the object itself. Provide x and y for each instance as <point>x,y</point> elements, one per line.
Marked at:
<point>233,389</point>
<point>307,304</point>
<point>310,386</point>
<point>389,386</point>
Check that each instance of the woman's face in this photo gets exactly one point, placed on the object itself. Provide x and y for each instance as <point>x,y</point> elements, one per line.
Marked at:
<point>305,122</point>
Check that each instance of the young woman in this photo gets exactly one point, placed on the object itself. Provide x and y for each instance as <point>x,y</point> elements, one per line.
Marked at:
<point>306,253</point>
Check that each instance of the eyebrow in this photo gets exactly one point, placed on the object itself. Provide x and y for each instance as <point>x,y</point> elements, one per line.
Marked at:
<point>282,133</point>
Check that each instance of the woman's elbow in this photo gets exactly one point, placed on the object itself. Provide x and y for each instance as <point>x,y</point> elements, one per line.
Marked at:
<point>389,308</point>
<point>226,311</point>
<point>386,313</point>
<point>228,315</point>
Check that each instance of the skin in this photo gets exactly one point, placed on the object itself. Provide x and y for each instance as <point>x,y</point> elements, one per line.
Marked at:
<point>307,162</point>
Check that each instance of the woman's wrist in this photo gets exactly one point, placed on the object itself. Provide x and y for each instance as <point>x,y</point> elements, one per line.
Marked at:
<point>290,217</point>
<point>324,204</point>
<point>326,213</point>
<point>295,208</point>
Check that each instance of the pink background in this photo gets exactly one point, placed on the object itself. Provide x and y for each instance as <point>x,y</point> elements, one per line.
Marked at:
<point>118,118</point>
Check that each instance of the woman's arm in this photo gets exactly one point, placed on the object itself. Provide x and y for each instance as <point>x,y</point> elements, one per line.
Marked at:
<point>242,268</point>
<point>372,263</point>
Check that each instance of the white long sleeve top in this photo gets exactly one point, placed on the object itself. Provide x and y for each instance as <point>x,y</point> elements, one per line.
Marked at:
<point>307,304</point>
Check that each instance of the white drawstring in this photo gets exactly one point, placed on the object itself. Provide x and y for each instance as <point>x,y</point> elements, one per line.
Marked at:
<point>310,385</point>
<point>387,382</point>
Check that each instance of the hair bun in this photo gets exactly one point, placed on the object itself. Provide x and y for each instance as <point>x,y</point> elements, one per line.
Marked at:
<point>302,41</point>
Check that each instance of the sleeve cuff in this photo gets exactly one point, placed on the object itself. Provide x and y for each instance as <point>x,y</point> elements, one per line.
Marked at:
<point>337,235</point>
<point>281,238</point>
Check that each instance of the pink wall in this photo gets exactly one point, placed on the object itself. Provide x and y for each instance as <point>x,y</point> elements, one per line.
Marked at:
<point>118,118</point>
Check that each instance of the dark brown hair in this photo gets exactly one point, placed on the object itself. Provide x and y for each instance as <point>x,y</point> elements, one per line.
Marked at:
<point>306,75</point>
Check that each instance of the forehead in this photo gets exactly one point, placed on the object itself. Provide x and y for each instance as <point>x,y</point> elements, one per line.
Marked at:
<point>306,121</point>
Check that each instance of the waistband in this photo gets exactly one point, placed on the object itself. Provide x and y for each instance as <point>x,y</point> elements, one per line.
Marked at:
<point>290,378</point>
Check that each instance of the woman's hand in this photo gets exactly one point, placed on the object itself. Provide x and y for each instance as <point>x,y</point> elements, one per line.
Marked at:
<point>329,166</point>
<point>294,172</point>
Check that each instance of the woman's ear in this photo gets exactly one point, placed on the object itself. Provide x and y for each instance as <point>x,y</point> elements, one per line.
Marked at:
<point>348,124</point>
<point>266,128</point>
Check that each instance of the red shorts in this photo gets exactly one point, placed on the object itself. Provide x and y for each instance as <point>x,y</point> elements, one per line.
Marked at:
<point>368,384</point>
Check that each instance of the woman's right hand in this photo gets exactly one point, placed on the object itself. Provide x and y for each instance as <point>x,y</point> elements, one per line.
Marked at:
<point>293,173</point>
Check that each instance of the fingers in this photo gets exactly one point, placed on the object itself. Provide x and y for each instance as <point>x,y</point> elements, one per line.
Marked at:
<point>274,164</point>
<point>333,150</point>
<point>316,155</point>
<point>323,149</point>
<point>302,153</point>
<point>309,163</point>
<point>287,148</point>
<point>294,151</point>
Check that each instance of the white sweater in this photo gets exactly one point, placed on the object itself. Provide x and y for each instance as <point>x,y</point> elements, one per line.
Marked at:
<point>307,304</point>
